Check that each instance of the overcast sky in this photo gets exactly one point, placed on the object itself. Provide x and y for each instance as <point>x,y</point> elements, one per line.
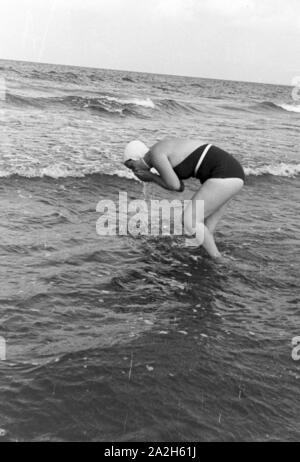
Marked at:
<point>253,40</point>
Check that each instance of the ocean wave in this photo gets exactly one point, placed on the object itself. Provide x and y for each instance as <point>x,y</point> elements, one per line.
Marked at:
<point>170,106</point>
<point>67,77</point>
<point>197,85</point>
<point>109,104</point>
<point>10,69</point>
<point>264,106</point>
<point>281,170</point>
<point>279,107</point>
<point>127,79</point>
<point>60,170</point>
<point>290,107</point>
<point>23,101</point>
<point>95,78</point>
<point>148,103</point>
<point>114,105</point>
<point>54,75</point>
<point>104,103</point>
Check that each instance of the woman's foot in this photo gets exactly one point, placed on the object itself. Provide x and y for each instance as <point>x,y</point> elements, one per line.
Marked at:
<point>224,260</point>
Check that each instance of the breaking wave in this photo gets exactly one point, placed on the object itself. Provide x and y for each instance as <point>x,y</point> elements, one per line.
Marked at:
<point>61,170</point>
<point>279,107</point>
<point>104,103</point>
<point>281,170</point>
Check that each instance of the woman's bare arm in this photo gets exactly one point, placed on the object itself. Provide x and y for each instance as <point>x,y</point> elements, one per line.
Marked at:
<point>148,176</point>
<point>169,178</point>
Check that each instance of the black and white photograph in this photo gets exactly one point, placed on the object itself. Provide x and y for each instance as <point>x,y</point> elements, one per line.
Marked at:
<point>149,216</point>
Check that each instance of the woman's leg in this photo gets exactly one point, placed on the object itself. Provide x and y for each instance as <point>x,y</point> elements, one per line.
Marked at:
<point>212,221</point>
<point>215,193</point>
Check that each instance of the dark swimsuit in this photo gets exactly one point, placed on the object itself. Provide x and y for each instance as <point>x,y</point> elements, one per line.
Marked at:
<point>216,164</point>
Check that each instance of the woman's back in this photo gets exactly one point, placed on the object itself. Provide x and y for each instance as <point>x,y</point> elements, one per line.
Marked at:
<point>176,149</point>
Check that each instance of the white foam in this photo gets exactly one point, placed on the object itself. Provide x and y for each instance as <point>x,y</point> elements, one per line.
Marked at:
<point>141,102</point>
<point>57,171</point>
<point>148,103</point>
<point>282,169</point>
<point>290,107</point>
<point>60,170</point>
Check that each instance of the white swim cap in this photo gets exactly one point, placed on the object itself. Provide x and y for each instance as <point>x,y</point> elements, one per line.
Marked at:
<point>135,150</point>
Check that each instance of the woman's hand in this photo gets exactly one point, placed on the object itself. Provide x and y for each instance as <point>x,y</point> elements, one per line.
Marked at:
<point>148,177</point>
<point>144,175</point>
<point>130,164</point>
